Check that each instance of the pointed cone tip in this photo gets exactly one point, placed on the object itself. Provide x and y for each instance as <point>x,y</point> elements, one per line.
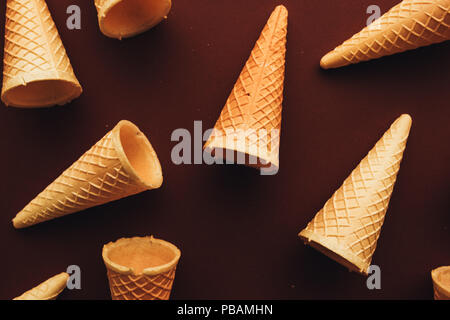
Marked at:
<point>279,13</point>
<point>62,277</point>
<point>59,280</point>
<point>403,124</point>
<point>332,60</point>
<point>278,19</point>
<point>16,223</point>
<point>281,9</point>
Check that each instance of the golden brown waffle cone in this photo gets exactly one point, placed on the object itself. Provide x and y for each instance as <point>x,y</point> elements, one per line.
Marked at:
<point>140,268</point>
<point>47,290</point>
<point>121,164</point>
<point>37,71</point>
<point>348,226</point>
<point>256,100</point>
<point>126,18</point>
<point>441,283</point>
<point>408,25</point>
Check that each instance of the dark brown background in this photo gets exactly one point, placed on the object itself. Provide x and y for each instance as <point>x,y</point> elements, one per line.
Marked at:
<point>236,229</point>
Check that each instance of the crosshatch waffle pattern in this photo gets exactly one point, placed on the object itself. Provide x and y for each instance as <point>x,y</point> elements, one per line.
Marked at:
<point>96,178</point>
<point>256,100</point>
<point>141,287</point>
<point>408,25</point>
<point>32,42</point>
<point>352,219</point>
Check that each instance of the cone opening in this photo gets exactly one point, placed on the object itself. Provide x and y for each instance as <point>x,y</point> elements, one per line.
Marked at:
<point>145,255</point>
<point>334,252</point>
<point>253,148</point>
<point>237,157</point>
<point>41,93</point>
<point>140,155</point>
<point>336,257</point>
<point>127,18</point>
<point>442,277</point>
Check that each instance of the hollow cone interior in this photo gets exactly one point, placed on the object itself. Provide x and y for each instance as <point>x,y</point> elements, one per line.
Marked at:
<point>441,283</point>
<point>141,268</point>
<point>126,18</point>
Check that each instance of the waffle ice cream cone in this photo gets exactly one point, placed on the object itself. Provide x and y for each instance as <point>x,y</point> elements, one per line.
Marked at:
<point>140,268</point>
<point>349,225</point>
<point>250,122</point>
<point>127,18</point>
<point>409,25</point>
<point>37,71</point>
<point>441,283</point>
<point>47,290</point>
<point>121,164</point>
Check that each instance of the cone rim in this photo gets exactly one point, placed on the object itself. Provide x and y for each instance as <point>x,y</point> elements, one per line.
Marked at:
<point>339,254</point>
<point>109,5</point>
<point>157,176</point>
<point>273,160</point>
<point>38,77</point>
<point>58,282</point>
<point>437,283</point>
<point>151,271</point>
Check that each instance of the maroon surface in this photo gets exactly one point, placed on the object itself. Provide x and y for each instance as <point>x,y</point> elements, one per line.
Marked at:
<point>237,230</point>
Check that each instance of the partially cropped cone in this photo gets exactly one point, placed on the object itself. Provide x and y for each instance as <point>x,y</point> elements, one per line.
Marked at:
<point>441,283</point>
<point>127,18</point>
<point>409,25</point>
<point>250,122</point>
<point>121,164</point>
<point>140,268</point>
<point>47,290</point>
<point>347,228</point>
<point>37,71</point>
